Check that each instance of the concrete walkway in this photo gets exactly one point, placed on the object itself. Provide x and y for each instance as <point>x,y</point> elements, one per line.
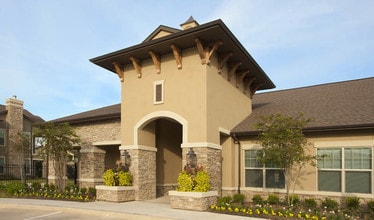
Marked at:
<point>158,209</point>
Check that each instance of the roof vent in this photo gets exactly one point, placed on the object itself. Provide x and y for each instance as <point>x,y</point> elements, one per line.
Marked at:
<point>190,23</point>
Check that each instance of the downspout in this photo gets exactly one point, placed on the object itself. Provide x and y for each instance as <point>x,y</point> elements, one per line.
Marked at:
<point>236,141</point>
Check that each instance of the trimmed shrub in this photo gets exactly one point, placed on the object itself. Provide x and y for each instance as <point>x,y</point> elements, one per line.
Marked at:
<point>330,204</point>
<point>238,198</point>
<point>370,205</point>
<point>352,203</point>
<point>310,204</point>
<point>257,199</point>
<point>273,199</point>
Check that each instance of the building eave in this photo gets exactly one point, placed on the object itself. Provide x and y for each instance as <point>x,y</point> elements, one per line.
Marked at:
<point>209,32</point>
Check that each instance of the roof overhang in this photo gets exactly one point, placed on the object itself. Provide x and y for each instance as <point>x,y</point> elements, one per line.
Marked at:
<point>208,33</point>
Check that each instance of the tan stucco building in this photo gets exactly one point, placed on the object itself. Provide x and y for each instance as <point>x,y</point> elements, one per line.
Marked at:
<point>195,88</point>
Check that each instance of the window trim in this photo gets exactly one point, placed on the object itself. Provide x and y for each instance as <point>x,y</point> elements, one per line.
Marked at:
<point>343,170</point>
<point>4,132</point>
<point>264,170</point>
<point>155,92</point>
<point>4,165</point>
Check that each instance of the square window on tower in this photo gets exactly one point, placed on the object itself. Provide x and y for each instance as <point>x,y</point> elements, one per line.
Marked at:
<point>158,87</point>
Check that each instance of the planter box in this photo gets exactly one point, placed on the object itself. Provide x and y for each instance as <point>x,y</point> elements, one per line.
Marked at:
<point>115,193</point>
<point>198,201</point>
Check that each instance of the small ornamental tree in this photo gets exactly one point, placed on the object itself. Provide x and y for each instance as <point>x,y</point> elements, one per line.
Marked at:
<point>56,141</point>
<point>22,145</point>
<point>284,145</point>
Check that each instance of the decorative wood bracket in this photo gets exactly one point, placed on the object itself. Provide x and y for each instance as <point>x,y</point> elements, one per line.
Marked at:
<point>206,53</point>
<point>177,55</point>
<point>156,61</point>
<point>233,70</point>
<point>254,88</point>
<point>240,76</point>
<point>119,70</point>
<point>137,66</point>
<point>223,60</point>
<point>210,52</point>
<point>249,83</point>
<point>200,50</point>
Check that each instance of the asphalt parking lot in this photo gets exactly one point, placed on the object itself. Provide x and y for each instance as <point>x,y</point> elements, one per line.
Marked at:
<point>29,213</point>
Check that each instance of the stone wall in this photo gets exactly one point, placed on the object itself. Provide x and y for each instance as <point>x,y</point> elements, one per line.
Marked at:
<point>211,160</point>
<point>115,193</point>
<point>91,165</point>
<point>143,169</point>
<point>198,201</point>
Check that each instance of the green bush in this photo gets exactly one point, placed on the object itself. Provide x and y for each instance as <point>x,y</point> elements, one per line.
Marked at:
<point>273,199</point>
<point>188,182</point>
<point>293,199</point>
<point>185,182</point>
<point>113,177</point>
<point>12,188</point>
<point>238,198</point>
<point>224,201</point>
<point>310,204</point>
<point>124,178</point>
<point>257,199</point>
<point>202,182</point>
<point>83,190</point>
<point>370,205</point>
<point>108,177</point>
<point>330,204</point>
<point>352,203</point>
<point>92,191</point>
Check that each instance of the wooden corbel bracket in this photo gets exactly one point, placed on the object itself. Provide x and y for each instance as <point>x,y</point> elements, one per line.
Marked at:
<point>240,76</point>
<point>206,53</point>
<point>119,70</point>
<point>233,70</point>
<point>177,55</point>
<point>223,60</point>
<point>212,50</point>
<point>248,84</point>
<point>156,61</point>
<point>254,88</point>
<point>137,66</point>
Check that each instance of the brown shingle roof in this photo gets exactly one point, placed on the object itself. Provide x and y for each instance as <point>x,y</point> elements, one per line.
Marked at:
<point>33,118</point>
<point>104,113</point>
<point>342,105</point>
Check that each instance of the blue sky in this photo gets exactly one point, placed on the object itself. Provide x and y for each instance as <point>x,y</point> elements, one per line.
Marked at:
<point>45,45</point>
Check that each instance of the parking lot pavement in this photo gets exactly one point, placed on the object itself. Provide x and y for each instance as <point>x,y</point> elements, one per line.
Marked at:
<point>27,209</point>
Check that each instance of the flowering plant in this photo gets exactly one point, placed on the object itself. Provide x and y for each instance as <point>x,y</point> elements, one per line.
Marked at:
<point>114,177</point>
<point>193,179</point>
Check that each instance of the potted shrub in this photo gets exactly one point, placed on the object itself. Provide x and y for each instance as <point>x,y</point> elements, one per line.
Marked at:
<point>117,186</point>
<point>193,190</point>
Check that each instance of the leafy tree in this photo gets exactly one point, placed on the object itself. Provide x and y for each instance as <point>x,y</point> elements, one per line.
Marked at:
<point>284,145</point>
<point>22,145</point>
<point>56,141</point>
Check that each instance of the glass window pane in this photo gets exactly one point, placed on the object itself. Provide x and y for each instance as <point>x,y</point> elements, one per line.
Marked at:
<point>2,137</point>
<point>358,182</point>
<point>253,178</point>
<point>357,158</point>
<point>329,158</point>
<point>275,179</point>
<point>329,181</point>
<point>252,158</point>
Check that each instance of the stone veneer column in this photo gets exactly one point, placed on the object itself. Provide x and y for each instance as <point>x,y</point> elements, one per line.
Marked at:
<point>92,166</point>
<point>143,170</point>
<point>211,160</point>
<point>14,119</point>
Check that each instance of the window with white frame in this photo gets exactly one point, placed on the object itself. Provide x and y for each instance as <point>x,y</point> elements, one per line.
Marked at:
<point>346,169</point>
<point>2,137</point>
<point>158,87</point>
<point>2,165</point>
<point>261,175</point>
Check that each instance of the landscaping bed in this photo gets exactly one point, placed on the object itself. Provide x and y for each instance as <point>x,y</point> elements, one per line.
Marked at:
<point>274,208</point>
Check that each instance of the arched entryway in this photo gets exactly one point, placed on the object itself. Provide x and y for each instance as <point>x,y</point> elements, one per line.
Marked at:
<point>165,133</point>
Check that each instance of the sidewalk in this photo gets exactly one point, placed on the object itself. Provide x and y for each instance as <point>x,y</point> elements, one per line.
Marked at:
<point>158,209</point>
